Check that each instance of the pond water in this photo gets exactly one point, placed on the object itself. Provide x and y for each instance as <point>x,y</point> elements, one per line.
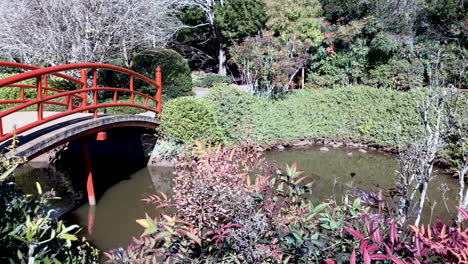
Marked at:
<point>111,223</point>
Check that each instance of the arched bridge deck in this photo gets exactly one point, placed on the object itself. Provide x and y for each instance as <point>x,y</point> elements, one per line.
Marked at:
<point>80,109</point>
<point>39,131</point>
<point>43,138</point>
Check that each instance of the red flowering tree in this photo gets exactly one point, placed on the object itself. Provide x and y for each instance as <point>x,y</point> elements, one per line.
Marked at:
<point>269,63</point>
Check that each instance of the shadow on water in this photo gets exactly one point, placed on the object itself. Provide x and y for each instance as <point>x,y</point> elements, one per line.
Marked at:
<point>121,183</point>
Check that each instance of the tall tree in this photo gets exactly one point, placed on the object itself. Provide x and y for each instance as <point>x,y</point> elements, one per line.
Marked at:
<point>295,18</point>
<point>65,31</point>
<point>229,21</point>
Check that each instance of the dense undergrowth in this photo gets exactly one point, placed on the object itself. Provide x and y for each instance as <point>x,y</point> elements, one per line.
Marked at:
<point>381,116</point>
<point>226,216</point>
<point>30,231</point>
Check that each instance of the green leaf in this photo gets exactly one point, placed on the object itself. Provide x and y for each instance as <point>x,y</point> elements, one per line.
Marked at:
<point>162,235</point>
<point>39,188</point>
<point>68,237</point>
<point>8,172</point>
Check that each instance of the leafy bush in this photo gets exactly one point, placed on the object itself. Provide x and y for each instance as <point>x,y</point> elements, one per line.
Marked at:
<point>371,114</point>
<point>177,80</point>
<point>233,109</point>
<point>185,120</point>
<point>10,93</point>
<point>269,63</point>
<point>209,80</point>
<point>63,84</point>
<point>398,74</point>
<point>232,207</point>
<point>29,229</point>
<point>31,233</point>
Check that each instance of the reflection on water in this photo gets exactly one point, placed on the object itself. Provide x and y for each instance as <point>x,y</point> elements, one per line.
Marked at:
<point>112,222</point>
<point>340,171</point>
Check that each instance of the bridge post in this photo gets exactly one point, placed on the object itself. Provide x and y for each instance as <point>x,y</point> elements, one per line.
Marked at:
<point>158,90</point>
<point>101,136</point>
<point>95,93</point>
<point>84,96</point>
<point>39,96</point>
<point>89,174</point>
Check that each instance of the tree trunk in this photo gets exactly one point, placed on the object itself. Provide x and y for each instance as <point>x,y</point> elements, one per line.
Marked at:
<point>303,78</point>
<point>222,61</point>
<point>422,200</point>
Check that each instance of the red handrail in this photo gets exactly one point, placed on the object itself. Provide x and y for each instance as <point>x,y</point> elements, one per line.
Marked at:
<point>42,96</point>
<point>16,65</point>
<point>67,67</point>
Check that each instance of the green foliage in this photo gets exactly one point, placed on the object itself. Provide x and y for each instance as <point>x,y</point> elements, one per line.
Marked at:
<point>375,115</point>
<point>31,233</point>
<point>63,84</point>
<point>209,80</point>
<point>238,19</point>
<point>10,93</point>
<point>177,80</point>
<point>185,120</point>
<point>295,19</point>
<point>398,74</point>
<point>233,109</point>
<point>364,52</point>
<point>269,63</point>
<point>29,229</point>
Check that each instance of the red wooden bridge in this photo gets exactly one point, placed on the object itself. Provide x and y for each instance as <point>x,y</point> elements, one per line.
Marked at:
<point>42,117</point>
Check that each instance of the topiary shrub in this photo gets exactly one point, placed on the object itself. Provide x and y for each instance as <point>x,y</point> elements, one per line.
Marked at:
<point>209,80</point>
<point>185,120</point>
<point>177,80</point>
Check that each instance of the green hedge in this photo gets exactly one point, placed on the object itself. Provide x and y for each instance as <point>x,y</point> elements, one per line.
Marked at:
<point>370,114</point>
<point>209,80</point>
<point>185,120</point>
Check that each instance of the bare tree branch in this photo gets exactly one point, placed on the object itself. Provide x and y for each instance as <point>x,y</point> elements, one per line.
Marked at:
<point>65,31</point>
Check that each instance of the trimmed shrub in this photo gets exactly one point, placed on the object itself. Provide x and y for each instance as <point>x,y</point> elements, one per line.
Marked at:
<point>233,108</point>
<point>209,80</point>
<point>177,80</point>
<point>9,93</point>
<point>185,120</point>
<point>371,114</point>
<point>110,78</point>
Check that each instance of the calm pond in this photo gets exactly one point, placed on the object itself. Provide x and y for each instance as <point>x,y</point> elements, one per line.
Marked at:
<point>112,222</point>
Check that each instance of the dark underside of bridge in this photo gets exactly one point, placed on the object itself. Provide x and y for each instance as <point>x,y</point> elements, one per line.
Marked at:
<point>128,145</point>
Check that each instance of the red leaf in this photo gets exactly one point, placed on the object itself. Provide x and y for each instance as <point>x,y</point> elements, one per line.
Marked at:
<point>397,260</point>
<point>363,246</point>
<point>378,256</point>
<point>393,233</point>
<point>372,248</point>
<point>352,259</point>
<point>355,233</point>
<point>376,235</point>
<point>366,256</point>
<point>328,261</point>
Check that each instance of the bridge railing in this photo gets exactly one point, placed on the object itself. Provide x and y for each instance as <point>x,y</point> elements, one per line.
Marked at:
<point>75,101</point>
